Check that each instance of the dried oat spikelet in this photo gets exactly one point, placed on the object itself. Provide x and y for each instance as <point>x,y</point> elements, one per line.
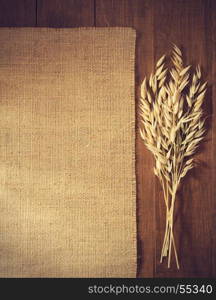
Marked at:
<point>172,126</point>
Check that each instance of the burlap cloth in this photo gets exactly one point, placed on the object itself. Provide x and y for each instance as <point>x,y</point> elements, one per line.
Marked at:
<point>67,140</point>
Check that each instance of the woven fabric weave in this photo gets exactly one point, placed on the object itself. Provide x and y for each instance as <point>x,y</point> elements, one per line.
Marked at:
<point>67,152</point>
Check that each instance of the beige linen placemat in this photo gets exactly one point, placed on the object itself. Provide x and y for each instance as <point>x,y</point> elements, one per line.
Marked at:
<point>67,158</point>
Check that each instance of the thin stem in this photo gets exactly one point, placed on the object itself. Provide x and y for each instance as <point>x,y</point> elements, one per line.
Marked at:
<point>165,239</point>
<point>176,255</point>
<point>170,245</point>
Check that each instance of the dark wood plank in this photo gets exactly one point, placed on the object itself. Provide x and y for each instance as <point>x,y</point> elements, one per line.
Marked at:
<point>65,13</point>
<point>17,13</point>
<point>113,13</point>
<point>139,15</point>
<point>187,24</point>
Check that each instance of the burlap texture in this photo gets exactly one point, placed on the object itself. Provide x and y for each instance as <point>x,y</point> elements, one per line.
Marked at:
<point>67,140</point>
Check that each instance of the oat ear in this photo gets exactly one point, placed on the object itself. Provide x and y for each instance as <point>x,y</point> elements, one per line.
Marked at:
<point>172,127</point>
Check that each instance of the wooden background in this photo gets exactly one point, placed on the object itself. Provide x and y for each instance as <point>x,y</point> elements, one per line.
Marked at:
<point>191,24</point>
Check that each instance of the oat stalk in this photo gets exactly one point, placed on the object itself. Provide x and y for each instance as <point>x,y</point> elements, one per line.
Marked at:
<point>172,126</point>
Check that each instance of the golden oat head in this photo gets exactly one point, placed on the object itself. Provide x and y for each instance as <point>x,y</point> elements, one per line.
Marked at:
<point>172,126</point>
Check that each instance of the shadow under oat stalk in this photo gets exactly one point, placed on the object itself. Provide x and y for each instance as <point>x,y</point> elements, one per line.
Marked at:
<point>172,126</point>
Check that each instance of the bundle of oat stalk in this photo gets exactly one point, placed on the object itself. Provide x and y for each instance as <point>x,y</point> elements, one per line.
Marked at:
<point>172,126</point>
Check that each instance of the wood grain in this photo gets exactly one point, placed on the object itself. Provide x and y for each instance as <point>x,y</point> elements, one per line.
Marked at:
<point>17,13</point>
<point>65,13</point>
